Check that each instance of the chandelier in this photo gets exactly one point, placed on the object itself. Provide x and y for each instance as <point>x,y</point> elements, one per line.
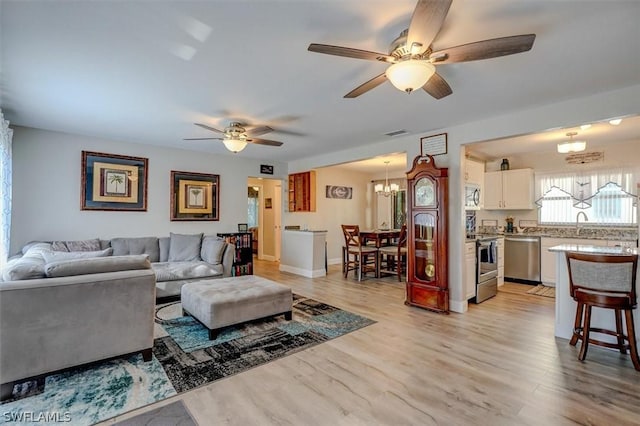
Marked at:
<point>386,189</point>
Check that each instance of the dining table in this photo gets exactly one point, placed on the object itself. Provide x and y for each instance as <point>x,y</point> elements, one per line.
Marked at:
<point>381,237</point>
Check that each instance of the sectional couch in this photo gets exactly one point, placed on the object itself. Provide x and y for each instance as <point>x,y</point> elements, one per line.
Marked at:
<point>68,303</point>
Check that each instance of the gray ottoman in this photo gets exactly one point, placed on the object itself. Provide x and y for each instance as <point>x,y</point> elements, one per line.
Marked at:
<point>218,303</point>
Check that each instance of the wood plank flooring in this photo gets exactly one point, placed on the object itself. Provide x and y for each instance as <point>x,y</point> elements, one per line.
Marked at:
<point>498,364</point>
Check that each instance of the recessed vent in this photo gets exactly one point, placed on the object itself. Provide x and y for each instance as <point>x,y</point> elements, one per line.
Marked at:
<point>397,133</point>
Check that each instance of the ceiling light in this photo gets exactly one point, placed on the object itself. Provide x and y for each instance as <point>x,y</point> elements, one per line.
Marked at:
<point>585,126</point>
<point>571,145</point>
<point>234,145</point>
<point>386,189</point>
<point>410,75</point>
<point>615,121</point>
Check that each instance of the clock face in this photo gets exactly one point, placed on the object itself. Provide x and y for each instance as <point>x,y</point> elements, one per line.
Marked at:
<point>424,193</point>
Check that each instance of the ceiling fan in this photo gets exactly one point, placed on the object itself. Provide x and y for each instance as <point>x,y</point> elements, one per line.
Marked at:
<point>413,59</point>
<point>236,137</point>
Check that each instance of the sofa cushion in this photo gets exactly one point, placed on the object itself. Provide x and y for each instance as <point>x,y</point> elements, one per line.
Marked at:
<point>79,245</point>
<point>212,249</point>
<point>140,245</point>
<point>55,256</point>
<point>163,242</point>
<point>172,271</point>
<point>184,248</point>
<point>65,268</point>
<point>29,266</point>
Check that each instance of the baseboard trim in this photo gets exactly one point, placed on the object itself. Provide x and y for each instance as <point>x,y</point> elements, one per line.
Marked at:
<point>459,307</point>
<point>309,273</point>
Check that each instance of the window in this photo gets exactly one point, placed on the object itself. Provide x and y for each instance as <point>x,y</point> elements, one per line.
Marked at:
<point>253,211</point>
<point>606,198</point>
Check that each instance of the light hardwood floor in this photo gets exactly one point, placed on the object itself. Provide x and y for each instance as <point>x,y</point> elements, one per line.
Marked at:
<point>498,364</point>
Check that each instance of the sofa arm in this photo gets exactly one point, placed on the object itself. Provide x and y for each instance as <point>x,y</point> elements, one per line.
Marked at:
<point>227,260</point>
<point>51,324</point>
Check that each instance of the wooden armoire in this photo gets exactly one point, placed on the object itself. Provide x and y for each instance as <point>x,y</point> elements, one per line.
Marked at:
<point>427,233</point>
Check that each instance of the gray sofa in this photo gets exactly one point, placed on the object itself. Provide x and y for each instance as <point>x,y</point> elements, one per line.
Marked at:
<point>176,260</point>
<point>74,317</point>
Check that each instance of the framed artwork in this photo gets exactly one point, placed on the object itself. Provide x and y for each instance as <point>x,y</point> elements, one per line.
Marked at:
<point>268,203</point>
<point>433,145</point>
<point>340,192</point>
<point>243,227</point>
<point>113,182</point>
<point>195,196</point>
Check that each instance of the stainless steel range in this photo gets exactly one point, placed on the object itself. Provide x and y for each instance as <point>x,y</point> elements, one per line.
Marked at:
<point>486,268</point>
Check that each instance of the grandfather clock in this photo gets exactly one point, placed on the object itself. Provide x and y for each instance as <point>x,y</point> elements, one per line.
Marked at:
<point>427,230</point>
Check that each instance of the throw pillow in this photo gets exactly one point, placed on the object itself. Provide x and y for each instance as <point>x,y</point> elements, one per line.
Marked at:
<point>79,245</point>
<point>29,266</point>
<point>56,256</point>
<point>212,250</point>
<point>184,248</point>
<point>66,268</point>
<point>138,245</point>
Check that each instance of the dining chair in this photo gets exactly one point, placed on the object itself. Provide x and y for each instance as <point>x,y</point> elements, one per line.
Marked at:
<point>357,257</point>
<point>607,282</point>
<point>393,259</point>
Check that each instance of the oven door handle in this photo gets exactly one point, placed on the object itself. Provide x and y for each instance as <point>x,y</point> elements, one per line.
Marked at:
<point>522,240</point>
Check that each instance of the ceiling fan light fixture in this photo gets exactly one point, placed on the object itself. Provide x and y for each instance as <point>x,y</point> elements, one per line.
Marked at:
<point>571,145</point>
<point>410,75</point>
<point>234,145</point>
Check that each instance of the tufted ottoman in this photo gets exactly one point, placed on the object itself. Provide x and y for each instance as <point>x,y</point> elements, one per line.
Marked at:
<point>221,302</point>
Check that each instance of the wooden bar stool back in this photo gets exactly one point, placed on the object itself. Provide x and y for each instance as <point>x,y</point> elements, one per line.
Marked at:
<point>609,282</point>
<point>358,257</point>
<point>393,259</point>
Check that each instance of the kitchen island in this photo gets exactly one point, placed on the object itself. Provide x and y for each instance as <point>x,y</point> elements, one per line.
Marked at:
<point>566,306</point>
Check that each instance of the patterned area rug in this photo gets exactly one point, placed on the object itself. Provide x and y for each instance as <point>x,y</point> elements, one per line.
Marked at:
<point>543,290</point>
<point>184,359</point>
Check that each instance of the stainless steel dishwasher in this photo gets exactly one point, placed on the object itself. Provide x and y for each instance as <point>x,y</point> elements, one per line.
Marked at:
<point>522,259</point>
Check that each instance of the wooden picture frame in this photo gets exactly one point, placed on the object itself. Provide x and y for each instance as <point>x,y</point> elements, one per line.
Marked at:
<point>113,182</point>
<point>433,145</point>
<point>195,196</point>
<point>268,203</point>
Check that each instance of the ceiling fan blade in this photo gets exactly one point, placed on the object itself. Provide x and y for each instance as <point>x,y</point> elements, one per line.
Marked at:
<point>437,87</point>
<point>259,141</point>
<point>201,139</point>
<point>365,87</point>
<point>260,130</point>
<point>204,126</point>
<point>350,53</point>
<point>426,22</point>
<point>484,49</point>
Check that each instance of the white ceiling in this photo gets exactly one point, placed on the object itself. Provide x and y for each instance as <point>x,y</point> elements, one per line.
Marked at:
<point>145,71</point>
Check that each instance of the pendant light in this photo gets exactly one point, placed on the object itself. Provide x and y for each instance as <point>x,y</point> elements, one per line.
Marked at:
<point>386,189</point>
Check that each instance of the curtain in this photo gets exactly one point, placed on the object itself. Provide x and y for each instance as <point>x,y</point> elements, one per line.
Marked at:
<point>583,186</point>
<point>6,135</point>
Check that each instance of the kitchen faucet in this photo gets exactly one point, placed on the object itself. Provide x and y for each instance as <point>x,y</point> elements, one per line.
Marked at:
<point>586,219</point>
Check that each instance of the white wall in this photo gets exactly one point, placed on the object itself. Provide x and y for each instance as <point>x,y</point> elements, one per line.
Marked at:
<point>46,189</point>
<point>331,213</point>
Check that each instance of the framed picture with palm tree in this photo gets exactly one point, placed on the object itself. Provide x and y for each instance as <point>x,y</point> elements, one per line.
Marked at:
<point>195,196</point>
<point>113,182</point>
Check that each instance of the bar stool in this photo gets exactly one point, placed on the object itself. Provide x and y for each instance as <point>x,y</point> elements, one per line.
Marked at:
<point>356,256</point>
<point>608,282</point>
<point>394,258</point>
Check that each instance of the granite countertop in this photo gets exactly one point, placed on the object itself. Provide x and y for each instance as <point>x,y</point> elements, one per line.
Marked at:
<point>583,248</point>
<point>306,230</point>
<point>620,234</point>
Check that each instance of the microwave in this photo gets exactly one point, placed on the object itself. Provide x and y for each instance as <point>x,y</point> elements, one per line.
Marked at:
<point>471,197</point>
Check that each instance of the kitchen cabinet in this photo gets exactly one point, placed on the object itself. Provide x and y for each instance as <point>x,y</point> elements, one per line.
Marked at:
<point>473,172</point>
<point>548,261</point>
<point>427,226</point>
<point>302,192</point>
<point>470,269</point>
<point>509,190</point>
<point>500,244</point>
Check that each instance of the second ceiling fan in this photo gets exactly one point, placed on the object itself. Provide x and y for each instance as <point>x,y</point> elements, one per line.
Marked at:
<point>412,58</point>
<point>236,137</point>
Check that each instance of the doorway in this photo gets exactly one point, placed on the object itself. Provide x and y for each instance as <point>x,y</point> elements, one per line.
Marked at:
<point>264,213</point>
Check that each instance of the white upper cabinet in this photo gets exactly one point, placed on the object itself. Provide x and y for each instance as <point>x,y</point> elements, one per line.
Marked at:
<point>509,190</point>
<point>473,172</point>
